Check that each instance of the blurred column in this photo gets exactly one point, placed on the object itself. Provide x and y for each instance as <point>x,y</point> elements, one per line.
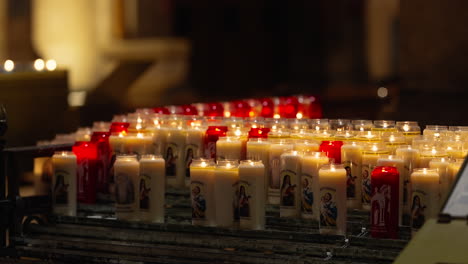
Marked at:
<point>381,22</point>
<point>3,29</point>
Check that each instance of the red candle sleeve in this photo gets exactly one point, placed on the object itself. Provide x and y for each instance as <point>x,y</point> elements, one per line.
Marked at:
<point>384,202</point>
<point>211,137</point>
<point>86,154</point>
<point>332,149</point>
<point>103,160</point>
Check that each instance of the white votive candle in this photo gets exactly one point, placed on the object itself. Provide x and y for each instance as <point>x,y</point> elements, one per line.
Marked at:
<point>310,191</point>
<point>64,183</point>
<point>152,188</point>
<point>290,175</point>
<point>424,196</point>
<point>126,178</point>
<point>252,195</point>
<point>226,192</point>
<point>202,194</point>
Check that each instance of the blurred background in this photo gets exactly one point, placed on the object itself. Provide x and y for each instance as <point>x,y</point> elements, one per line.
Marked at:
<point>75,62</point>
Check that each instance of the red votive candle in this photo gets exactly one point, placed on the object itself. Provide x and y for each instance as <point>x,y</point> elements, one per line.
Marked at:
<point>315,108</point>
<point>211,136</point>
<point>214,109</point>
<point>117,127</point>
<point>332,149</point>
<point>161,110</point>
<point>86,156</point>
<point>384,202</point>
<point>288,107</point>
<point>241,109</point>
<point>268,108</point>
<point>189,110</point>
<point>259,132</point>
<point>103,160</point>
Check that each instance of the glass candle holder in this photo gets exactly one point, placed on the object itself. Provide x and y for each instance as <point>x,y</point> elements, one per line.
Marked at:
<point>226,192</point>
<point>202,178</point>
<point>362,125</point>
<point>126,178</point>
<point>310,195</point>
<point>252,194</point>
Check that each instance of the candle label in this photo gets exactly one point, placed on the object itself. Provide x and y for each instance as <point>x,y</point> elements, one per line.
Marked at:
<point>366,183</point>
<point>418,205</point>
<point>145,182</point>
<point>198,200</point>
<point>288,189</point>
<point>328,210</point>
<point>210,150</point>
<point>307,200</point>
<point>62,181</point>
<point>171,157</point>
<point>351,176</point>
<point>190,153</point>
<point>274,171</point>
<point>380,208</point>
<point>406,182</point>
<point>124,193</point>
<point>245,195</point>
<point>235,201</point>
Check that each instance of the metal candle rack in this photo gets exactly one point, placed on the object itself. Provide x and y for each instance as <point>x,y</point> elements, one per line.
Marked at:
<point>29,230</point>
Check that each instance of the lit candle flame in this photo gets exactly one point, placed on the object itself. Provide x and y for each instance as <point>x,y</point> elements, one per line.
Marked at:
<point>406,128</point>
<point>299,115</point>
<point>276,116</point>
<point>203,164</point>
<point>227,114</point>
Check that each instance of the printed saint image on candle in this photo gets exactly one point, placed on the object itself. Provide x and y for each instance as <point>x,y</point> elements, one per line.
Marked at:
<point>171,159</point>
<point>235,201</point>
<point>61,187</point>
<point>366,185</point>
<point>418,206</point>
<point>288,189</point>
<point>307,194</point>
<point>244,199</point>
<point>198,200</point>
<point>380,204</point>
<point>145,183</point>
<point>124,189</point>
<point>328,209</point>
<point>189,155</point>
<point>350,181</point>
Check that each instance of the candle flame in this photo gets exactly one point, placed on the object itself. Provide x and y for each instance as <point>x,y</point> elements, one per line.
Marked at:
<point>251,113</point>
<point>375,148</point>
<point>227,114</point>
<point>122,134</point>
<point>392,138</point>
<point>361,129</point>
<point>139,135</point>
<point>203,164</point>
<point>299,115</point>
<point>406,128</point>
<point>238,132</point>
<point>276,116</point>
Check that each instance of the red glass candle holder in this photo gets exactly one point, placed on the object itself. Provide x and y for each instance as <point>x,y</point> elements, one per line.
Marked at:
<point>214,109</point>
<point>384,202</point>
<point>332,149</point>
<point>86,155</point>
<point>161,110</point>
<point>315,108</point>
<point>268,108</point>
<point>189,110</point>
<point>259,132</point>
<point>117,127</point>
<point>288,106</point>
<point>211,137</point>
<point>101,139</point>
<point>241,109</point>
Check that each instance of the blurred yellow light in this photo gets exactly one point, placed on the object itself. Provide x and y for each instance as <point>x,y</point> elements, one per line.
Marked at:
<point>299,115</point>
<point>276,116</point>
<point>227,114</point>
<point>39,64</point>
<point>51,65</point>
<point>9,65</point>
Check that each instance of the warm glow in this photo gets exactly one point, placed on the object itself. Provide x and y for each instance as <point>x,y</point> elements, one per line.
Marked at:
<point>122,134</point>
<point>139,120</point>
<point>276,116</point>
<point>238,133</point>
<point>227,114</point>
<point>375,148</point>
<point>140,135</point>
<point>39,64</point>
<point>406,128</point>
<point>299,115</point>
<point>434,151</point>
<point>392,138</point>
<point>251,113</point>
<point>51,65</point>
<point>332,167</point>
<point>254,126</point>
<point>425,171</point>
<point>382,92</point>
<point>228,165</point>
<point>361,129</point>
<point>9,65</point>
<point>138,126</point>
<point>203,164</point>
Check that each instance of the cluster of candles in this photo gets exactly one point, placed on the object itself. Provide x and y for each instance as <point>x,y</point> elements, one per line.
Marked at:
<point>312,168</point>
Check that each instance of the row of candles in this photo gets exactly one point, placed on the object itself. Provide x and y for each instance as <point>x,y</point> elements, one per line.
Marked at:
<point>359,145</point>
